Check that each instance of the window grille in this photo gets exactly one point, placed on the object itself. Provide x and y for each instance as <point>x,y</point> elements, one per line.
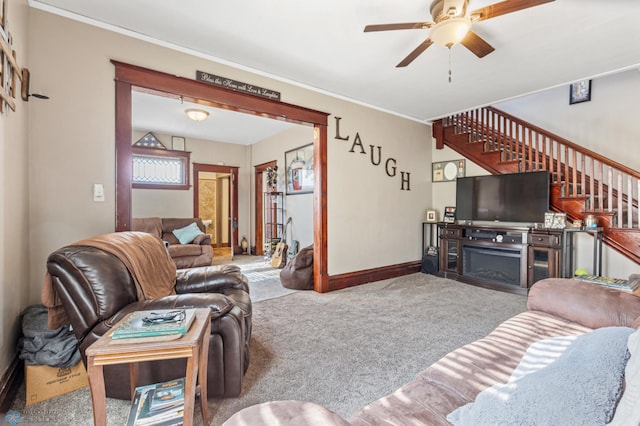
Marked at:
<point>160,168</point>
<point>148,169</point>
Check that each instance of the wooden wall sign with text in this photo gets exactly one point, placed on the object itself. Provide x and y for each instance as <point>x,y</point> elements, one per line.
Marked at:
<point>239,86</point>
<point>375,155</point>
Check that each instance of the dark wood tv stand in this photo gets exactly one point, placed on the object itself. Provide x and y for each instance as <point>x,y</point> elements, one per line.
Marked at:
<point>507,258</point>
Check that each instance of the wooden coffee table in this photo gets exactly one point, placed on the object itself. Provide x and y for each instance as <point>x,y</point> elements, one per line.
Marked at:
<point>194,346</point>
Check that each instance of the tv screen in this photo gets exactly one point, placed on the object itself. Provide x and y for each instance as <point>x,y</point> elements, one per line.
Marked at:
<point>515,197</point>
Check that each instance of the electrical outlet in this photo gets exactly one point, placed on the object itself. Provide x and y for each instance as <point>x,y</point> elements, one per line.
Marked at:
<point>98,192</point>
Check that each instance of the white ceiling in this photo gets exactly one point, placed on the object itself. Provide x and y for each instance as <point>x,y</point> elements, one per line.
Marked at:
<point>167,115</point>
<point>321,45</point>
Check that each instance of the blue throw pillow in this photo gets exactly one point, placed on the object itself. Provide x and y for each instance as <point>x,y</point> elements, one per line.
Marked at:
<point>187,234</point>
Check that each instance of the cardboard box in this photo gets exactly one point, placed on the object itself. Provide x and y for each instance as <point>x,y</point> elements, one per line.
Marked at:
<point>44,382</point>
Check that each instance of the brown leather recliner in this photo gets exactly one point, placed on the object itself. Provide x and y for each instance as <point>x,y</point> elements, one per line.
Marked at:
<point>96,290</point>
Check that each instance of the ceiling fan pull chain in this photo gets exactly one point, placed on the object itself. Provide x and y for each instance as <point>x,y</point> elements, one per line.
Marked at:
<point>449,64</point>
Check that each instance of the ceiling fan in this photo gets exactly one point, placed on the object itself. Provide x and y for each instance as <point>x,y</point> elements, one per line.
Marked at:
<point>452,25</point>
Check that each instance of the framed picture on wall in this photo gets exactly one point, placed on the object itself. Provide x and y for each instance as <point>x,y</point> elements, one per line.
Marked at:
<point>177,143</point>
<point>447,171</point>
<point>299,170</point>
<point>580,91</point>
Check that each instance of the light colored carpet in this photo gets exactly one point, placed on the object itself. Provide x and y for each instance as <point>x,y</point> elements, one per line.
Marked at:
<point>264,281</point>
<point>342,349</point>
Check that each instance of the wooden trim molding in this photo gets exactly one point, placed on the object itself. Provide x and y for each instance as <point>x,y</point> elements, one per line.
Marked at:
<point>10,383</point>
<point>351,279</point>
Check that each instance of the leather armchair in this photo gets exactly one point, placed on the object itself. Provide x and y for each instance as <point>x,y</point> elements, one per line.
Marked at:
<point>96,290</point>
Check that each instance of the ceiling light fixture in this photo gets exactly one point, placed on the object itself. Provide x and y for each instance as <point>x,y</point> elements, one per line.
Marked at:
<point>197,114</point>
<point>450,32</point>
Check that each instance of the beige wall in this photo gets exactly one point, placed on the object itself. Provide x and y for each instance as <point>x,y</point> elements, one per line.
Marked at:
<point>608,124</point>
<point>73,147</point>
<point>372,222</point>
<point>300,206</point>
<point>15,232</point>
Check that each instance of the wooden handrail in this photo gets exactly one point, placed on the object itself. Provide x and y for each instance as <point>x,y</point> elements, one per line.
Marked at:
<point>568,143</point>
<point>605,186</point>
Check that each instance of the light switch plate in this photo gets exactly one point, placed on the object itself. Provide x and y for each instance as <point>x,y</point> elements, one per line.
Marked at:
<point>98,192</point>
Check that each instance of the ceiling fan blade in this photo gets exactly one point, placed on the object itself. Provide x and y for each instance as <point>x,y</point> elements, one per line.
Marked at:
<point>416,52</point>
<point>476,44</point>
<point>403,26</point>
<point>504,7</point>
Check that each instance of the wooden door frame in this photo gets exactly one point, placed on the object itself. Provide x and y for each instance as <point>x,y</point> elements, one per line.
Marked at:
<point>259,170</point>
<point>128,76</point>
<point>233,199</point>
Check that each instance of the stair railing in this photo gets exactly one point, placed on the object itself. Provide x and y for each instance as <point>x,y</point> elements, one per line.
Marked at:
<point>607,186</point>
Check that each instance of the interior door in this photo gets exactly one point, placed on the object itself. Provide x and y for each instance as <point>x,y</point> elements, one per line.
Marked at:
<point>215,199</point>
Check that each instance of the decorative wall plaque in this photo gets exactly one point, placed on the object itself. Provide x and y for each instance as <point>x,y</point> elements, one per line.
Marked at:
<point>446,171</point>
<point>238,86</point>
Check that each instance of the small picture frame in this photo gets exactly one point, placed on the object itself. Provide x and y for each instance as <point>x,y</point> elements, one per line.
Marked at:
<point>580,91</point>
<point>449,215</point>
<point>559,221</point>
<point>432,216</point>
<point>555,220</point>
<point>548,220</point>
<point>177,143</point>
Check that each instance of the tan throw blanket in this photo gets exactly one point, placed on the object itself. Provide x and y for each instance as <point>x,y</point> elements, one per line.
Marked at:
<point>152,269</point>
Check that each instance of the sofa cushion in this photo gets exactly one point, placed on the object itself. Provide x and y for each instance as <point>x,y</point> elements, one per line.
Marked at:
<point>187,234</point>
<point>628,410</point>
<point>150,225</point>
<point>561,380</point>
<point>183,250</point>
<point>458,377</point>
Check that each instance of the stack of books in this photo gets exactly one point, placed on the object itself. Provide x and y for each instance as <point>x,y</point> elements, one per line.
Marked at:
<point>628,286</point>
<point>152,324</point>
<point>160,404</point>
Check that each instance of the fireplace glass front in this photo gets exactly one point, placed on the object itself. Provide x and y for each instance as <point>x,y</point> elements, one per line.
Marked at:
<point>493,265</point>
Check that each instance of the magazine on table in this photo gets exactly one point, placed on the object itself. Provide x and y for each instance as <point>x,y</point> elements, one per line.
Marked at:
<point>629,285</point>
<point>160,404</point>
<point>158,322</point>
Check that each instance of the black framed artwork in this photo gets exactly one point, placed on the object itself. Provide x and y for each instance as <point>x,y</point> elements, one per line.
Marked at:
<point>580,91</point>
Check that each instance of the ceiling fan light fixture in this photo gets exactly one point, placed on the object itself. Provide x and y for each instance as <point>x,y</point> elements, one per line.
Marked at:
<point>450,32</point>
<point>197,114</point>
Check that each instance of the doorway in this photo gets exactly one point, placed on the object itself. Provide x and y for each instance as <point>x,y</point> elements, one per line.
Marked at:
<point>128,76</point>
<point>215,200</point>
<point>259,211</point>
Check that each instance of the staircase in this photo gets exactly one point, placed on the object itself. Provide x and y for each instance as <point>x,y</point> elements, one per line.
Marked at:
<point>582,181</point>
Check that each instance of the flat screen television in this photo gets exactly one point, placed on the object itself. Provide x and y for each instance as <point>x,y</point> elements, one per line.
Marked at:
<point>514,197</point>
